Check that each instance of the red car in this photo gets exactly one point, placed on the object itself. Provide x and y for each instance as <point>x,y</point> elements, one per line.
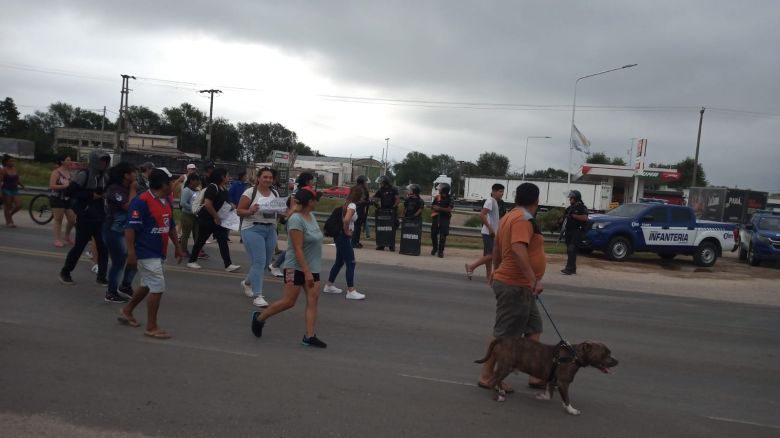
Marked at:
<point>337,191</point>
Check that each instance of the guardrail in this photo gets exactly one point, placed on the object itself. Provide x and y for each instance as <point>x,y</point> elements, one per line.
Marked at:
<point>472,232</point>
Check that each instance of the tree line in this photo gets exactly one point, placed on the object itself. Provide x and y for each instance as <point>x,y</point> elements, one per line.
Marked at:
<point>230,142</point>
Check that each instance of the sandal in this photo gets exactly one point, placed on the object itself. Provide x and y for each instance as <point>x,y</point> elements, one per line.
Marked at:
<point>159,334</point>
<point>58,243</point>
<point>506,387</point>
<point>468,273</point>
<point>128,321</point>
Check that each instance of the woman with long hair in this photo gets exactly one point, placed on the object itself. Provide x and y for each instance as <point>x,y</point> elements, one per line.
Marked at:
<point>59,180</point>
<point>258,231</point>
<point>122,187</point>
<point>12,202</point>
<point>345,253</point>
<point>209,223</point>
<point>301,267</point>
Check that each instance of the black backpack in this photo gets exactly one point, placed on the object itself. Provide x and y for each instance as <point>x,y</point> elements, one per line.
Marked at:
<point>335,222</point>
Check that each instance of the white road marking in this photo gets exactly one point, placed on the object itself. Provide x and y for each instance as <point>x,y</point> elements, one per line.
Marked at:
<point>432,379</point>
<point>751,423</point>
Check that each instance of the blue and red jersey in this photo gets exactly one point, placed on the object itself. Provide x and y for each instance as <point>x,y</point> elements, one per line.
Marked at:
<point>152,220</point>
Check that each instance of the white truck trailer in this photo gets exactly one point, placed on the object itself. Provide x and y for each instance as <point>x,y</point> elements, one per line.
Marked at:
<point>551,194</point>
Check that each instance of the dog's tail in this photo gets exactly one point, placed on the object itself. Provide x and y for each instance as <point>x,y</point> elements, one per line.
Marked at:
<point>489,352</point>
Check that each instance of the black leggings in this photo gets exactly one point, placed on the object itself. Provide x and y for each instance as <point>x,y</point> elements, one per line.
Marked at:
<point>86,231</point>
<point>207,227</point>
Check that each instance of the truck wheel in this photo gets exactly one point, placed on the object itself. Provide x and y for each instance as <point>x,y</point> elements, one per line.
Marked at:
<point>618,249</point>
<point>752,259</point>
<point>706,254</point>
<point>667,255</point>
<point>742,253</point>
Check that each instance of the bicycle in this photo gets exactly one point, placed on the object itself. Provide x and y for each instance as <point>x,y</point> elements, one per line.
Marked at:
<point>40,209</point>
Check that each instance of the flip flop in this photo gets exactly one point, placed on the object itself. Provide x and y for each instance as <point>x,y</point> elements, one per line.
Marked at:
<point>124,320</point>
<point>508,388</point>
<point>160,334</point>
<point>468,273</point>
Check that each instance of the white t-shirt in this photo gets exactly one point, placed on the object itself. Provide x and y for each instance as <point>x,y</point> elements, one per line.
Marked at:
<point>267,212</point>
<point>354,219</point>
<point>492,206</point>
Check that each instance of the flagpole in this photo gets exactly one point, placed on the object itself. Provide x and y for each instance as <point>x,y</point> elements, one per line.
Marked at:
<point>573,109</point>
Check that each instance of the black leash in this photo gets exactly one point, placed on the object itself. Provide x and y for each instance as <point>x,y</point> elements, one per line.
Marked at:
<point>563,341</point>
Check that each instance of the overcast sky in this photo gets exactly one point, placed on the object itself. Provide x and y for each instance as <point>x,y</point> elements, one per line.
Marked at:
<point>279,61</point>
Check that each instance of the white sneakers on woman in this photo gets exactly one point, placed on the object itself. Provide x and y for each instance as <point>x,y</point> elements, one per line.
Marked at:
<point>260,301</point>
<point>331,289</point>
<point>351,295</point>
<point>247,289</point>
<point>233,268</point>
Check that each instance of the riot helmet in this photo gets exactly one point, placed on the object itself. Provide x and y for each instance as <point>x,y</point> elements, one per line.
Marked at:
<point>383,180</point>
<point>414,188</point>
<point>444,188</point>
<point>361,179</point>
<point>576,195</point>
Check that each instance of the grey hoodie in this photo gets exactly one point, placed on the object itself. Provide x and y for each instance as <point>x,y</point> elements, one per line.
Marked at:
<point>85,184</point>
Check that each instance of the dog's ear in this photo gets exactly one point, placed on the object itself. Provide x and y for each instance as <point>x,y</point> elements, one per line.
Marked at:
<point>585,347</point>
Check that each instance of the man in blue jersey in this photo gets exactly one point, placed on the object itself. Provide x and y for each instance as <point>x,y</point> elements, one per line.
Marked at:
<point>150,224</point>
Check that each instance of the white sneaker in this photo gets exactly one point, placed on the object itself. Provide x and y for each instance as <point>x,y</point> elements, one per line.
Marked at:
<point>247,289</point>
<point>331,289</point>
<point>355,295</point>
<point>276,272</point>
<point>233,268</point>
<point>210,241</point>
<point>260,301</point>
<point>194,265</point>
<point>95,269</point>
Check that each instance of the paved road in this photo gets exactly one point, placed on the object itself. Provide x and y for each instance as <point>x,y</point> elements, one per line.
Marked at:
<point>398,364</point>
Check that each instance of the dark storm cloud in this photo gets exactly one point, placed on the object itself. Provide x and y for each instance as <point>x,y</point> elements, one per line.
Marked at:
<point>693,53</point>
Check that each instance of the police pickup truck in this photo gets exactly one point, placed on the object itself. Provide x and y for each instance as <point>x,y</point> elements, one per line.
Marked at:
<point>760,239</point>
<point>667,230</point>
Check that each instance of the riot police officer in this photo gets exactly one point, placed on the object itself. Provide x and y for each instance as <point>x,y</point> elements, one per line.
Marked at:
<point>362,211</point>
<point>388,198</point>
<point>574,220</point>
<point>442,207</point>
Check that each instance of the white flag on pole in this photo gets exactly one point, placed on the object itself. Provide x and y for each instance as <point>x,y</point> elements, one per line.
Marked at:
<point>579,141</point>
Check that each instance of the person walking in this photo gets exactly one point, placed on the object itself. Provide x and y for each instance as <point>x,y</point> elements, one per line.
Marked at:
<point>345,253</point>
<point>149,227</point>
<point>12,202</point>
<point>88,190</point>
<point>209,222</point>
<point>362,211</point>
<point>258,231</point>
<point>520,262</point>
<point>59,180</point>
<point>237,188</point>
<point>301,267</point>
<point>188,219</point>
<point>441,207</point>
<point>574,220</point>
<point>489,216</point>
<point>121,191</point>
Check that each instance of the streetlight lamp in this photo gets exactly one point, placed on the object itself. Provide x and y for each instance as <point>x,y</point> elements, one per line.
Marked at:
<point>573,108</point>
<point>525,160</point>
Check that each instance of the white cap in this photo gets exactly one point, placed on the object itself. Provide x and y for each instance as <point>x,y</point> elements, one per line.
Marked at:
<point>191,166</point>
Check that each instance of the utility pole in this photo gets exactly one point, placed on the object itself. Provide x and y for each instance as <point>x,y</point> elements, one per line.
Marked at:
<point>102,126</point>
<point>123,112</point>
<point>698,142</point>
<point>387,153</point>
<point>630,161</point>
<point>211,114</point>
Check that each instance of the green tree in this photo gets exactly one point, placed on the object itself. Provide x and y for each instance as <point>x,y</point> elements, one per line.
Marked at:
<point>492,164</point>
<point>11,125</point>
<point>685,168</point>
<point>549,173</point>
<point>259,139</point>
<point>416,167</point>
<point>444,164</point>
<point>143,120</point>
<point>189,124</point>
<point>602,158</point>
<point>225,143</point>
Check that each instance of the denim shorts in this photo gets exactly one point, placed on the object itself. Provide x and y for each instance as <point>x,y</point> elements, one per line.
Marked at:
<point>151,272</point>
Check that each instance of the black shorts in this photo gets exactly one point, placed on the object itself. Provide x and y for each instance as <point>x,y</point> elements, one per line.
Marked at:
<point>57,202</point>
<point>297,278</point>
<point>487,244</point>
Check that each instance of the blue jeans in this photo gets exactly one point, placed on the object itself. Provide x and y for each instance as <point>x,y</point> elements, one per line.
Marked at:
<point>117,250</point>
<point>259,242</point>
<point>345,254</point>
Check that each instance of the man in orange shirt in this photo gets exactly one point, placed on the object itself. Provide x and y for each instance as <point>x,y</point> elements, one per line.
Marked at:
<point>519,260</point>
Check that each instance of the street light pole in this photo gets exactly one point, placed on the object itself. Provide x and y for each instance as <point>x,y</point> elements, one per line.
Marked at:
<point>387,153</point>
<point>574,107</point>
<point>698,140</point>
<point>211,114</point>
<point>525,160</point>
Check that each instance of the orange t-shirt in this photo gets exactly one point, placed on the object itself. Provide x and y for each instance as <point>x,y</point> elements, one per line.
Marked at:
<point>515,228</point>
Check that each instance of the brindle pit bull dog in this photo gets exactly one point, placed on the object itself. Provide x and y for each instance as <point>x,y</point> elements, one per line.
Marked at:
<point>539,360</point>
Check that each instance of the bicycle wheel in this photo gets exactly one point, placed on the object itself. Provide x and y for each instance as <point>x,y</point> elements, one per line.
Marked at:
<point>40,210</point>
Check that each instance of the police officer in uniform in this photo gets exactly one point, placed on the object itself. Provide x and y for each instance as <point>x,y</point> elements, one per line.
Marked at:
<point>388,200</point>
<point>574,219</point>
<point>440,219</point>
<point>413,205</point>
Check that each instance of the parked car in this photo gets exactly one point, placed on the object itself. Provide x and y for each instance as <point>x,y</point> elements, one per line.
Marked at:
<point>667,230</point>
<point>341,191</point>
<point>760,238</point>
